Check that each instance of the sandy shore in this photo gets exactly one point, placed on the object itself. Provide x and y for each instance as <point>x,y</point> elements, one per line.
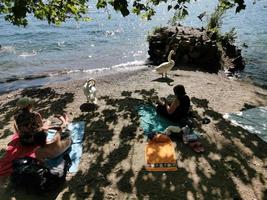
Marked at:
<point>112,166</point>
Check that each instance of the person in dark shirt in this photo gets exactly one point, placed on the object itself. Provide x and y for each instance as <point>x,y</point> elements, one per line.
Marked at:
<point>178,108</point>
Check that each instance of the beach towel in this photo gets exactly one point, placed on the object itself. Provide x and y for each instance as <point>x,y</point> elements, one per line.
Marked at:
<point>75,152</point>
<point>14,150</point>
<point>253,120</point>
<point>160,154</point>
<point>150,121</point>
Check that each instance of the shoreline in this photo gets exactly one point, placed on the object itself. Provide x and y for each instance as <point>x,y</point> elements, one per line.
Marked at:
<point>112,163</point>
<point>14,83</point>
<point>44,79</point>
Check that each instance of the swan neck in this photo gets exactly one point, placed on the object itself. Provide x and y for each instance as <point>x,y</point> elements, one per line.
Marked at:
<point>170,57</point>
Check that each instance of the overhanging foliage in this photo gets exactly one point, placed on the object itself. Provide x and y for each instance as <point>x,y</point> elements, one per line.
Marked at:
<point>57,11</point>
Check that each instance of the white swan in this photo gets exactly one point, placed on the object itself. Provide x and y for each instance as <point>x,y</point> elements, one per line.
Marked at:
<point>166,66</point>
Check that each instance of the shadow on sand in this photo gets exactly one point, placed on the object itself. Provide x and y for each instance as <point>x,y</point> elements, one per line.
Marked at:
<point>167,80</point>
<point>111,168</point>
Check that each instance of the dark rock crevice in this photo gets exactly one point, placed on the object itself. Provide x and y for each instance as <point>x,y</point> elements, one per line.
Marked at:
<point>195,48</point>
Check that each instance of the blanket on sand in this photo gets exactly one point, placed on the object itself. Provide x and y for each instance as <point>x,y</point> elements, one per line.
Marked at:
<point>160,154</point>
<point>253,120</point>
<point>16,150</point>
<point>150,121</point>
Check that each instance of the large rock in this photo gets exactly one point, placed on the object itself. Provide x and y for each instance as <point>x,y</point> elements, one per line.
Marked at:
<point>195,48</point>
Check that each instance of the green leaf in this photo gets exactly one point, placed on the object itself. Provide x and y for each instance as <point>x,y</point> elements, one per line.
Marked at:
<point>86,19</point>
<point>101,4</point>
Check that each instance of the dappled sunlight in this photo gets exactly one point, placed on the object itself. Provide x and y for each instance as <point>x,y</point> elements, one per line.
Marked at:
<point>114,142</point>
<point>190,195</point>
<point>245,150</point>
<point>214,156</point>
<point>149,177</point>
<point>112,164</point>
<point>206,168</point>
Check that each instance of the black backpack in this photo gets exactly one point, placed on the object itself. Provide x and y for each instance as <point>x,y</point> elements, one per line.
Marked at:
<point>31,175</point>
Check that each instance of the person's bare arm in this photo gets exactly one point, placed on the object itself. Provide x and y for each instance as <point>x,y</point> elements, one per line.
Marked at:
<point>39,118</point>
<point>16,128</point>
<point>171,108</point>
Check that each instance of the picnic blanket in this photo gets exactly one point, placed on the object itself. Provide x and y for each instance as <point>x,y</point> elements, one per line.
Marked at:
<point>75,151</point>
<point>253,120</point>
<point>160,154</point>
<point>16,150</point>
<point>150,121</point>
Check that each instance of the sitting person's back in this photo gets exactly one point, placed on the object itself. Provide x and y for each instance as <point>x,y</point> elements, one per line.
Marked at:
<point>182,110</point>
<point>27,123</point>
<point>179,107</point>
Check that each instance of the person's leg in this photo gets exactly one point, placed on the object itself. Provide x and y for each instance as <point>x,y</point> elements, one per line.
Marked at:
<point>53,149</point>
<point>162,110</point>
<point>61,146</point>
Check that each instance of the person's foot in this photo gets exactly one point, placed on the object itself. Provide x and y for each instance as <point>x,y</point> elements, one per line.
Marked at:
<point>186,130</point>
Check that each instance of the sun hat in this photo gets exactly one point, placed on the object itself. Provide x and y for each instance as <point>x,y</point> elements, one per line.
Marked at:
<point>24,102</point>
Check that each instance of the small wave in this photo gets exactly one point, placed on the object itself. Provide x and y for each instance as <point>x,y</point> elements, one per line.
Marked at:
<point>61,44</point>
<point>8,49</point>
<point>115,32</point>
<point>27,54</point>
<point>89,71</point>
<point>110,33</point>
<point>138,53</point>
<point>130,65</point>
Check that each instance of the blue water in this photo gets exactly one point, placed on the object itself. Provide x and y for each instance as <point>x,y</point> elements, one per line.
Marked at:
<point>113,43</point>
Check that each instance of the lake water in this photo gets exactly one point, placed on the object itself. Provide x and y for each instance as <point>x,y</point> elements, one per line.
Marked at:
<point>61,53</point>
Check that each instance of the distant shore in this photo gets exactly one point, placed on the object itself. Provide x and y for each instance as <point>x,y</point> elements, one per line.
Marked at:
<point>112,129</point>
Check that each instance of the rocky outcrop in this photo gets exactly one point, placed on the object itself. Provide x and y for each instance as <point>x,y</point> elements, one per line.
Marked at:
<point>194,48</point>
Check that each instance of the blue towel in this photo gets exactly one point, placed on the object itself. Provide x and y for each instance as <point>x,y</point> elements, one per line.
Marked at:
<point>150,121</point>
<point>75,156</point>
<point>75,152</point>
<point>77,131</point>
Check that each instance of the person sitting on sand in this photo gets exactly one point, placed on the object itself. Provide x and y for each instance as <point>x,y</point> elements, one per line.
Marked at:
<point>178,108</point>
<point>28,122</point>
<point>59,144</point>
<point>32,131</point>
